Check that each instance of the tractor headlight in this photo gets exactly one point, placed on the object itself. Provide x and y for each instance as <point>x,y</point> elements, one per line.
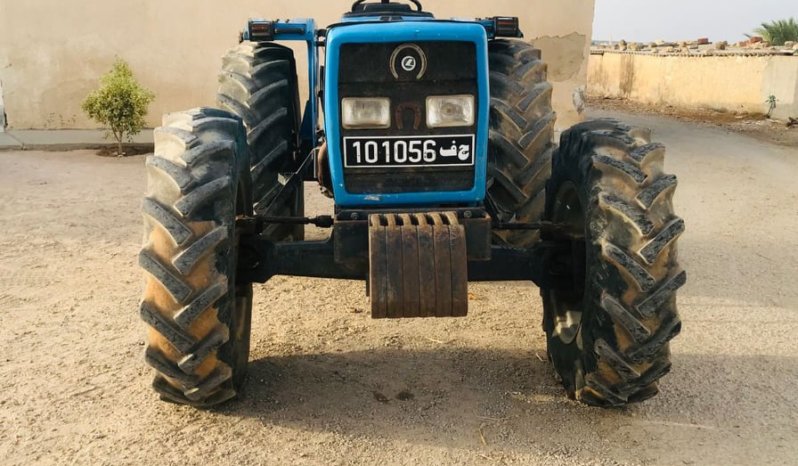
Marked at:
<point>363,113</point>
<point>450,110</point>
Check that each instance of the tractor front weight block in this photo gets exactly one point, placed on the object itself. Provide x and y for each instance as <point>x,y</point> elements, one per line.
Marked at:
<point>418,265</point>
<point>415,264</point>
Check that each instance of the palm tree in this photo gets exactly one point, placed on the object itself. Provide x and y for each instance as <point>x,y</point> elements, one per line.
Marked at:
<point>779,32</point>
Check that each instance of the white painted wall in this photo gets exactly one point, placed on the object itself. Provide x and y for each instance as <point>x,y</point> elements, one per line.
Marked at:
<point>2,110</point>
<point>53,51</point>
<point>733,83</point>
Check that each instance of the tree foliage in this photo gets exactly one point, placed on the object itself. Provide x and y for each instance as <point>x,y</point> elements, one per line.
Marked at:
<point>120,103</point>
<point>779,32</point>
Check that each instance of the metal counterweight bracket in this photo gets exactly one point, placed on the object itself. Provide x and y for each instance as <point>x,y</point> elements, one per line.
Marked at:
<point>352,251</point>
<point>546,229</point>
<point>257,224</point>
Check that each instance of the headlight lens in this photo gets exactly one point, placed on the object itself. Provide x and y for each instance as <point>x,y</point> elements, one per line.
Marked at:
<point>450,110</point>
<point>371,112</point>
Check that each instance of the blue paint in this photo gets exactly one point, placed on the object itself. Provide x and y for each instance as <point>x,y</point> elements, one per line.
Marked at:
<point>376,19</point>
<point>488,23</point>
<point>369,29</point>
<point>407,31</point>
<point>302,30</point>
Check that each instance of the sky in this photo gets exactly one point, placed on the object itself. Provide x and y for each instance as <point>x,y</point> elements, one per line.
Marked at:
<point>674,20</point>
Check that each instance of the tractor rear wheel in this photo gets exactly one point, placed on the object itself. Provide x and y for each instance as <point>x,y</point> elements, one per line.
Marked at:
<point>521,138</point>
<point>609,331</point>
<point>198,315</point>
<point>259,84</point>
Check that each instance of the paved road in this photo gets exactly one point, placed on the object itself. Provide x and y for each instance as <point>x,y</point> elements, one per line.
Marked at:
<point>474,391</point>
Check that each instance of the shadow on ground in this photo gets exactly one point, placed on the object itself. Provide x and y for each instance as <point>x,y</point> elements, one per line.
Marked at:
<point>470,399</point>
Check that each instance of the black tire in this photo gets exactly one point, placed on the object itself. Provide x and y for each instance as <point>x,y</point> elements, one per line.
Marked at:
<point>608,335</point>
<point>259,84</point>
<point>521,138</point>
<point>199,318</point>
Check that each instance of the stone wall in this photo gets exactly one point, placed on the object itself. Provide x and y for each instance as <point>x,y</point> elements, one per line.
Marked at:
<point>53,51</point>
<point>739,83</point>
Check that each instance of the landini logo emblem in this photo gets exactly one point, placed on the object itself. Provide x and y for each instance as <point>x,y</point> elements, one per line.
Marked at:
<point>409,63</point>
<point>408,58</point>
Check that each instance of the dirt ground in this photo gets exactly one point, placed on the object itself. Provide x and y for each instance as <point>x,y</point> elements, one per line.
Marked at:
<point>756,126</point>
<point>330,386</point>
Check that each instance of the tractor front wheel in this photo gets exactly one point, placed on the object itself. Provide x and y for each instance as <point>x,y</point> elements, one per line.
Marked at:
<point>608,330</point>
<point>198,316</point>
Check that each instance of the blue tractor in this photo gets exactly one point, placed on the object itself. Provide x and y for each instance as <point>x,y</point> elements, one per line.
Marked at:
<point>435,140</point>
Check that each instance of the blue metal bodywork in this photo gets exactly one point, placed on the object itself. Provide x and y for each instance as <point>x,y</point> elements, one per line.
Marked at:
<point>405,31</point>
<point>301,30</point>
<point>370,29</point>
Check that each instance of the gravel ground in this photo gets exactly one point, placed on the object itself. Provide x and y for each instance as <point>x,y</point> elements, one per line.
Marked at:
<point>330,386</point>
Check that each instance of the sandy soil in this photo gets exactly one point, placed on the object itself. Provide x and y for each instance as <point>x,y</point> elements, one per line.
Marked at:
<point>756,126</point>
<point>330,386</point>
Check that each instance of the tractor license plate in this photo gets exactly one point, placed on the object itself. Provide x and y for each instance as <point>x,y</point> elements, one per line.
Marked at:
<point>403,151</point>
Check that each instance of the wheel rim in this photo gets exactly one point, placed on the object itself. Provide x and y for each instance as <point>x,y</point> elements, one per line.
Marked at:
<point>567,311</point>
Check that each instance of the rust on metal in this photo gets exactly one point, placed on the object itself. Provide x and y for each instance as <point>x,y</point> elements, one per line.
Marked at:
<point>418,265</point>
<point>393,259</point>
<point>443,271</point>
<point>457,241</point>
<point>426,269</point>
<point>378,285</point>
<point>411,266</point>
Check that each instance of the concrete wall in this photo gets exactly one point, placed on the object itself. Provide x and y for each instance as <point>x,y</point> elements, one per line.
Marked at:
<point>733,83</point>
<point>53,51</point>
<point>2,110</point>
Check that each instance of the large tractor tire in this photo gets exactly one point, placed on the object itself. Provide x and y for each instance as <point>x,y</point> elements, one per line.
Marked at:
<point>521,138</point>
<point>608,333</point>
<point>198,316</point>
<point>259,84</point>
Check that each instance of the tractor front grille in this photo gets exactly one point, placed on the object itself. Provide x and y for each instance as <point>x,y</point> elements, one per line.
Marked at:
<point>366,70</point>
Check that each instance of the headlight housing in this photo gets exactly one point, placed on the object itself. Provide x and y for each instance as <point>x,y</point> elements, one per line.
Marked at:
<point>366,112</point>
<point>450,110</point>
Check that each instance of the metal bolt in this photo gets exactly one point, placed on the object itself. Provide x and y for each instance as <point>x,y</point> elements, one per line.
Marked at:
<point>354,216</point>
<point>468,214</point>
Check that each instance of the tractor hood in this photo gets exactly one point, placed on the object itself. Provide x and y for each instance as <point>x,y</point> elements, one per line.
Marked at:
<point>364,60</point>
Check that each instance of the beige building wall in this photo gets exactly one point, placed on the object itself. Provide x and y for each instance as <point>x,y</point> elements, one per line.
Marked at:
<point>53,51</point>
<point>732,83</point>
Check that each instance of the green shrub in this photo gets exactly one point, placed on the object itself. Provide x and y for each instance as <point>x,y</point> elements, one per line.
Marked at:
<point>779,32</point>
<point>120,104</point>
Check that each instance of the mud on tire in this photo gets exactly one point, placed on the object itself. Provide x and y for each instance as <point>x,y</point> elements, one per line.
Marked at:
<point>521,138</point>
<point>258,83</point>
<point>198,317</point>
<point>608,335</point>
